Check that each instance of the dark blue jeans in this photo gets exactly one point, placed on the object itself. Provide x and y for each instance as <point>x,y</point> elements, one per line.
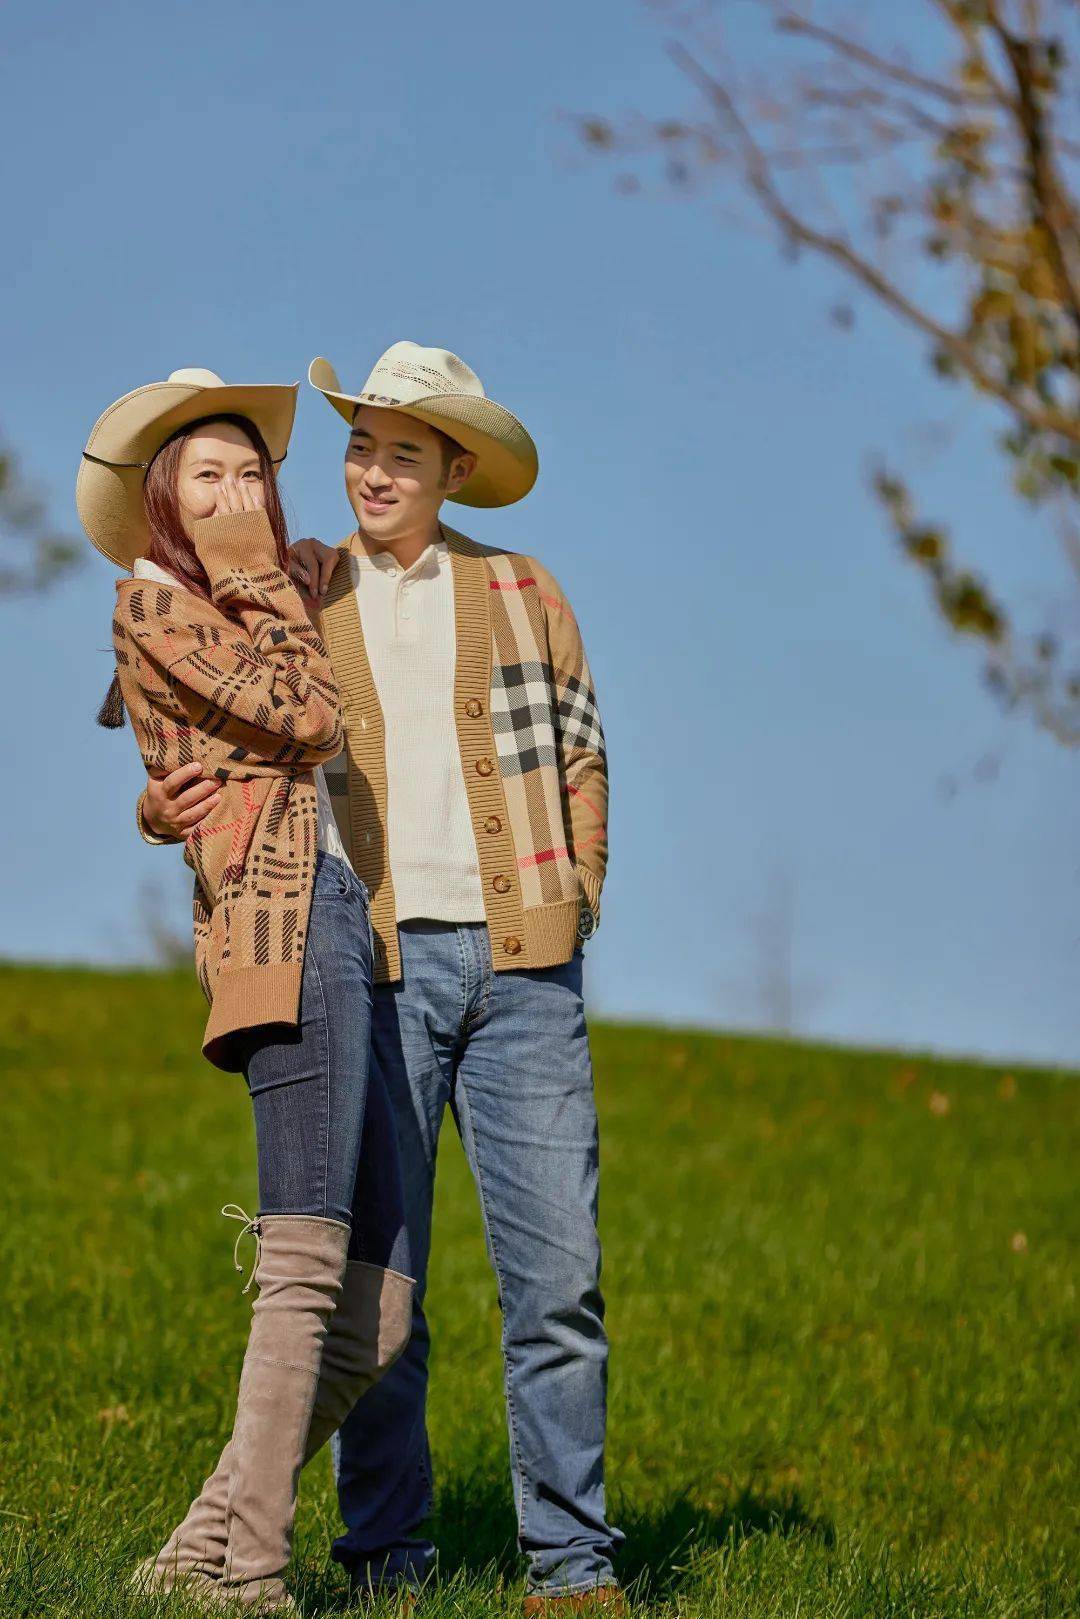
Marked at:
<point>324,1127</point>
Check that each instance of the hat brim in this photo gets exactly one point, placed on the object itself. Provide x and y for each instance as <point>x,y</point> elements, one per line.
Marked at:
<point>506,458</point>
<point>127,436</point>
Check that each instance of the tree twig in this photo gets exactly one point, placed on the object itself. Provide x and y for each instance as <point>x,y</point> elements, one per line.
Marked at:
<point>1040,417</point>
<point>792,23</point>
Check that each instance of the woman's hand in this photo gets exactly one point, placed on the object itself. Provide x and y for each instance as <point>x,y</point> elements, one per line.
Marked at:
<point>238,497</point>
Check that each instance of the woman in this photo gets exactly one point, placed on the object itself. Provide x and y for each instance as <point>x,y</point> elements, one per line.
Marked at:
<point>216,661</point>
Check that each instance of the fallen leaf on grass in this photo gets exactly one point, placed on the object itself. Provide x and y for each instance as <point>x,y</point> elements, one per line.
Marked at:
<point>114,1413</point>
<point>1018,1242</point>
<point>1007,1088</point>
<point>939,1104</point>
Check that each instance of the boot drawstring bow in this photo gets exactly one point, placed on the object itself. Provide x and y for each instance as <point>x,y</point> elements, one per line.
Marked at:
<point>249,1227</point>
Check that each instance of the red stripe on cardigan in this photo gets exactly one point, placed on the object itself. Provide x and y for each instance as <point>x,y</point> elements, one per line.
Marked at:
<point>542,856</point>
<point>519,584</point>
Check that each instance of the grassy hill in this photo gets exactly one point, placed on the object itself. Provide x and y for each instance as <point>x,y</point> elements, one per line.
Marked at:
<point>841,1291</point>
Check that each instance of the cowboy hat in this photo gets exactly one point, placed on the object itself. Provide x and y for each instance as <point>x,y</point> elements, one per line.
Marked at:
<point>127,436</point>
<point>436,387</point>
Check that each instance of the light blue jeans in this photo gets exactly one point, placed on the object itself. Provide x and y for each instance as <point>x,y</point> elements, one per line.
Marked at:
<point>509,1054</point>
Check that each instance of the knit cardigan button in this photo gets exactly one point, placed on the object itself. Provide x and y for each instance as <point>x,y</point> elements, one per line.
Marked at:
<point>493,825</point>
<point>512,946</point>
<point>501,884</point>
<point>474,708</point>
<point>484,767</point>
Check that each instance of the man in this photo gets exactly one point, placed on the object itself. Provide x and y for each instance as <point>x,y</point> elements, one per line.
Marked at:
<point>472,799</point>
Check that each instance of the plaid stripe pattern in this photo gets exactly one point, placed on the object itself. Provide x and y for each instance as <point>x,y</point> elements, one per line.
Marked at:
<point>243,684</point>
<point>547,729</point>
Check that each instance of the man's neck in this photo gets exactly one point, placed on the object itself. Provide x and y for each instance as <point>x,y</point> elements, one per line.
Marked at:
<point>406,548</point>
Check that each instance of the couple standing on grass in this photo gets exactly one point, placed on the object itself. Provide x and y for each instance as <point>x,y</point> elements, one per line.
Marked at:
<point>393,795</point>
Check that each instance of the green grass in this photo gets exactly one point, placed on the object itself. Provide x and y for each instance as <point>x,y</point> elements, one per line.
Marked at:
<point>841,1295</point>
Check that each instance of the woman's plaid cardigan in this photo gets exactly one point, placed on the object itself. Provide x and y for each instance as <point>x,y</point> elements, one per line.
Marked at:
<point>243,684</point>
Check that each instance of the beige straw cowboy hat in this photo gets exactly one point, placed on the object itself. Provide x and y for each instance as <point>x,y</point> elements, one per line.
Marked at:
<point>127,436</point>
<point>436,387</point>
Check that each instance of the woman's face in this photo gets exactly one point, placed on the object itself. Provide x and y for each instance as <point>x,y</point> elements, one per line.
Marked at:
<point>215,452</point>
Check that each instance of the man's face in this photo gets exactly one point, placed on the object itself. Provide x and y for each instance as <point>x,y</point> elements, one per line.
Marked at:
<point>396,475</point>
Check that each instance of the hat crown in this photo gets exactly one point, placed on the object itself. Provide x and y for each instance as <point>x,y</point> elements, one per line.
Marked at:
<point>196,377</point>
<point>408,372</point>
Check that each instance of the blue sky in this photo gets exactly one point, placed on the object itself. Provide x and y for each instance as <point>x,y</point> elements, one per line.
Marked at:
<point>243,187</point>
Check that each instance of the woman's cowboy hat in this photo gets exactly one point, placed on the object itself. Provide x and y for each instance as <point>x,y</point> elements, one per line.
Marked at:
<point>127,436</point>
<point>436,387</point>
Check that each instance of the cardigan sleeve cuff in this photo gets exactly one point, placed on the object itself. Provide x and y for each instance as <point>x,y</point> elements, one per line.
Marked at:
<point>233,540</point>
<point>591,885</point>
<point>144,830</point>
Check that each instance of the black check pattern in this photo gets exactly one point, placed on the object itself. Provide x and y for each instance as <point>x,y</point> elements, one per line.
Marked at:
<point>579,717</point>
<point>522,699</point>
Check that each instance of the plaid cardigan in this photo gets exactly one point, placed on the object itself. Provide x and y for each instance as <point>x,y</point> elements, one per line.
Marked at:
<point>243,684</point>
<point>532,755</point>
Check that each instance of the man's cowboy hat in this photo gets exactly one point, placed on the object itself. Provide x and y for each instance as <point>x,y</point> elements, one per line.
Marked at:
<point>127,436</point>
<point>436,387</point>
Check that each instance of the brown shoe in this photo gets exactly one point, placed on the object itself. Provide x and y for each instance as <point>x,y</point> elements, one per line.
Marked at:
<point>612,1598</point>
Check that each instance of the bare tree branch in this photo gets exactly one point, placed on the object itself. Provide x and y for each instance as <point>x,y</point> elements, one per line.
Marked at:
<point>1040,418</point>
<point>792,23</point>
<point>879,164</point>
<point>1056,217</point>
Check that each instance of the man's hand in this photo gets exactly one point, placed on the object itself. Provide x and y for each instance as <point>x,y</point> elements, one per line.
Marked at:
<point>311,564</point>
<point>179,801</point>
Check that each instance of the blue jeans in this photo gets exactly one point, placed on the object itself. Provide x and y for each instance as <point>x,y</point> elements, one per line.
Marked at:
<point>325,1132</point>
<point>509,1054</point>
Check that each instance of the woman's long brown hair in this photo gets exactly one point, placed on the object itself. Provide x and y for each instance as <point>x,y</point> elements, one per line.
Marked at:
<point>170,546</point>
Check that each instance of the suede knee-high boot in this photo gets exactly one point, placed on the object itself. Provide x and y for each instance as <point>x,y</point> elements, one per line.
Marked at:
<point>368,1331</point>
<point>299,1272</point>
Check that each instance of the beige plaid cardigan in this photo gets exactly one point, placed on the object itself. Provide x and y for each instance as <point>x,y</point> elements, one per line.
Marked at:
<point>243,684</point>
<point>532,755</point>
